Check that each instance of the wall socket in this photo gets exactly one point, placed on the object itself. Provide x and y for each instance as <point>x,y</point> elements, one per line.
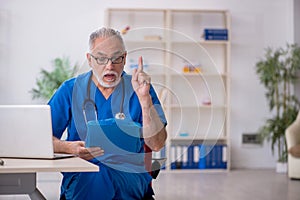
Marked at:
<point>251,139</point>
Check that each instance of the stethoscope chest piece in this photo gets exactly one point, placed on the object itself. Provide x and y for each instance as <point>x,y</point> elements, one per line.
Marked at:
<point>120,115</point>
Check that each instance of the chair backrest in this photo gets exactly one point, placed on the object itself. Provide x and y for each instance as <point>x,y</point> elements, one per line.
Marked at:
<point>148,159</point>
<point>152,166</point>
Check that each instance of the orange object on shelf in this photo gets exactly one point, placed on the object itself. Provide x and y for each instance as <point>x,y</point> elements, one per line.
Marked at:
<point>191,69</point>
<point>186,69</point>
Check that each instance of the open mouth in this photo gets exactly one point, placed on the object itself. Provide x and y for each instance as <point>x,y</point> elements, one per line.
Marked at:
<point>110,77</point>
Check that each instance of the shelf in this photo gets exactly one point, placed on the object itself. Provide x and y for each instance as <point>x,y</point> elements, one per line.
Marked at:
<point>200,11</point>
<point>174,106</point>
<point>197,139</point>
<point>213,42</point>
<point>151,73</point>
<point>145,42</point>
<point>199,74</point>
<point>183,171</point>
<point>202,42</point>
<point>175,40</point>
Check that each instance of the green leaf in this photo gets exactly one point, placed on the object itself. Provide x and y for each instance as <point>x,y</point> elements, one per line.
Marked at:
<point>49,81</point>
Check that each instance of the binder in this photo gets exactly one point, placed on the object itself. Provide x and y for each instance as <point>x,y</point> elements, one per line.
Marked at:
<point>196,157</point>
<point>224,157</point>
<point>216,157</point>
<point>216,37</point>
<point>215,31</point>
<point>218,150</point>
<point>190,157</point>
<point>173,157</point>
<point>202,159</point>
<point>216,34</point>
<point>185,157</point>
<point>178,162</point>
<point>156,154</point>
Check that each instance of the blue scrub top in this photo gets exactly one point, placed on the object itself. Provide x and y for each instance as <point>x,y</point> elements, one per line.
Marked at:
<point>63,112</point>
<point>66,109</point>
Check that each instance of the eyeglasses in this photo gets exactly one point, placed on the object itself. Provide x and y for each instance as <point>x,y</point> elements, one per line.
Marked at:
<point>104,60</point>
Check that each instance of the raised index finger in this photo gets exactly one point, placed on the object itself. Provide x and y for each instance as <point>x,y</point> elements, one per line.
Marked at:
<point>140,67</point>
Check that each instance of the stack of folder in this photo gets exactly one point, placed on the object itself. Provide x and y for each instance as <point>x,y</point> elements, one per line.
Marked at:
<point>199,156</point>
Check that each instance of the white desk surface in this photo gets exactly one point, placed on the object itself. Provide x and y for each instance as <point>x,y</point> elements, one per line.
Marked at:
<point>74,164</point>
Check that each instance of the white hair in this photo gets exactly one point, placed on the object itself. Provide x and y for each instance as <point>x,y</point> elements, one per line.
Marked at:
<point>105,33</point>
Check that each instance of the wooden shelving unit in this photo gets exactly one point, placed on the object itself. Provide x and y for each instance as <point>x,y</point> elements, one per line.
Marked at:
<point>197,104</point>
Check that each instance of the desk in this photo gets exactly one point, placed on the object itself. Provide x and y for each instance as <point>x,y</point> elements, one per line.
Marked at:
<point>18,176</point>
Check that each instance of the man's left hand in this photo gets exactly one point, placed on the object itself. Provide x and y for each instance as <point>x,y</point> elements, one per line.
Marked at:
<point>141,82</point>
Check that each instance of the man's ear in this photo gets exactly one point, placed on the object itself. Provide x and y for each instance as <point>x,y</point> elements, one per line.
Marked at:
<point>125,55</point>
<point>89,59</point>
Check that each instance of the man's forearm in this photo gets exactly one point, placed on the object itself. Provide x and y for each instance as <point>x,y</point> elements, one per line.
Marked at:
<point>154,132</point>
<point>61,146</point>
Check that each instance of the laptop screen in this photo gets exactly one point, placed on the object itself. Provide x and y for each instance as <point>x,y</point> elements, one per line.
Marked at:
<point>26,131</point>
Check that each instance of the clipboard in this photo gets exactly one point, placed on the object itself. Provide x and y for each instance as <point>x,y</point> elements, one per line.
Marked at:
<point>114,136</point>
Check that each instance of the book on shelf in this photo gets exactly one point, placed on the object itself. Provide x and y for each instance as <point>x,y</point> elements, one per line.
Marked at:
<point>215,34</point>
<point>202,157</point>
<point>215,31</point>
<point>216,37</point>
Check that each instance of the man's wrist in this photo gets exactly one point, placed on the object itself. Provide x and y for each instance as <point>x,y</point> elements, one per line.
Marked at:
<point>146,102</point>
<point>62,146</point>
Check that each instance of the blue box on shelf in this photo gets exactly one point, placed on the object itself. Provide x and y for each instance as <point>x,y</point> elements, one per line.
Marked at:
<point>215,34</point>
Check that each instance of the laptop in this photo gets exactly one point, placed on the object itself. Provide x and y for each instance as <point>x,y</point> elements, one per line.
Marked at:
<point>26,132</point>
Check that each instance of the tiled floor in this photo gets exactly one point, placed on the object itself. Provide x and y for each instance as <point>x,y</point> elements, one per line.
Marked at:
<point>233,185</point>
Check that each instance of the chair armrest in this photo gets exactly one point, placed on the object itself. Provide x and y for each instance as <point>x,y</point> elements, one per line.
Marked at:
<point>292,134</point>
<point>157,163</point>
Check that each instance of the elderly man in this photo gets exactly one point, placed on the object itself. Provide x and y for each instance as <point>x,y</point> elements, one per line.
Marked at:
<point>107,92</point>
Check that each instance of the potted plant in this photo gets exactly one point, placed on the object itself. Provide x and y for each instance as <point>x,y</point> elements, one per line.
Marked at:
<point>277,72</point>
<point>49,81</point>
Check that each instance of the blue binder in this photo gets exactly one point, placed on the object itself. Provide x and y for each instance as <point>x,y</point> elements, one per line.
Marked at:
<point>216,34</point>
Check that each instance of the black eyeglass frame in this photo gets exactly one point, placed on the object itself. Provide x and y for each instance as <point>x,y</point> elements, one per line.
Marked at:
<point>112,59</point>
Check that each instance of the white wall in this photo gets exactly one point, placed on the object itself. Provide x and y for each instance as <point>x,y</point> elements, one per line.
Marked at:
<point>297,21</point>
<point>297,38</point>
<point>34,32</point>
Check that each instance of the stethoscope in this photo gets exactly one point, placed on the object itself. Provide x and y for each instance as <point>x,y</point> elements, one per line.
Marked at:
<point>89,103</point>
